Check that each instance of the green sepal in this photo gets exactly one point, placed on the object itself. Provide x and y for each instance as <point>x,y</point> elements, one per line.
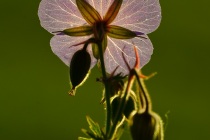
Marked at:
<point>88,12</point>
<point>95,47</point>
<point>113,11</point>
<point>120,32</point>
<point>95,50</point>
<point>79,31</point>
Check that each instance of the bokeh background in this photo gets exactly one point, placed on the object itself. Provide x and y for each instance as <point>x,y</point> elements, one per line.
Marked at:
<point>34,104</point>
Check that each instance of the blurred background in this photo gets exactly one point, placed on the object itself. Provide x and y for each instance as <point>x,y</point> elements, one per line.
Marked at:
<point>34,104</point>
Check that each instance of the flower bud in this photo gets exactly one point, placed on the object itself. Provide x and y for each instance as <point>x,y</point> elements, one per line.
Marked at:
<point>129,107</point>
<point>146,126</point>
<point>116,84</point>
<point>79,67</point>
<point>115,107</point>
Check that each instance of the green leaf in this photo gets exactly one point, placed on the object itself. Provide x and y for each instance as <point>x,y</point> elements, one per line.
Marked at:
<point>81,138</point>
<point>120,32</point>
<point>88,12</point>
<point>90,134</point>
<point>79,31</point>
<point>94,127</point>
<point>113,11</point>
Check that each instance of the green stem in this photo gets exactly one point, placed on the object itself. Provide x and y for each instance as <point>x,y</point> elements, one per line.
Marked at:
<point>122,105</point>
<point>143,90</point>
<point>107,93</point>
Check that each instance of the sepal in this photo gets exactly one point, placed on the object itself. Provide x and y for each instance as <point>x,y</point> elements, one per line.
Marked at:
<point>113,11</point>
<point>95,47</point>
<point>79,31</point>
<point>120,32</point>
<point>88,12</point>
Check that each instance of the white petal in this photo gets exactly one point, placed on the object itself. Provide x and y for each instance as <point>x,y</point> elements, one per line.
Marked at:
<point>57,15</point>
<point>100,5</point>
<point>116,48</point>
<point>62,46</point>
<point>139,15</point>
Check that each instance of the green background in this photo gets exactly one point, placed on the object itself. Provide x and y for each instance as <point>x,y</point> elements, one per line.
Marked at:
<point>34,104</point>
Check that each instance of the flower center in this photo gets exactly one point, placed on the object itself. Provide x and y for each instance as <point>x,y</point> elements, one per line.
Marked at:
<point>99,30</point>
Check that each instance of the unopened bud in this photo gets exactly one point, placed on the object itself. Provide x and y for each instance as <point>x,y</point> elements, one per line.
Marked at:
<point>129,107</point>
<point>115,107</point>
<point>79,68</point>
<point>146,126</point>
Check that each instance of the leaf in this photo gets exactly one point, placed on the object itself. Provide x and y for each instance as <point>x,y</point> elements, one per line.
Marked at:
<point>120,32</point>
<point>94,127</point>
<point>113,11</point>
<point>57,15</point>
<point>81,138</point>
<point>90,134</point>
<point>79,31</point>
<point>115,48</point>
<point>61,45</point>
<point>88,12</point>
<point>139,15</point>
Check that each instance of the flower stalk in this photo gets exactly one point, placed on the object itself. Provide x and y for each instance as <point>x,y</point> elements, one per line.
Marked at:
<point>121,107</point>
<point>107,93</point>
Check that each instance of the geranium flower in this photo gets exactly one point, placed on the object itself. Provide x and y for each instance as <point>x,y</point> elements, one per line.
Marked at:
<point>120,23</point>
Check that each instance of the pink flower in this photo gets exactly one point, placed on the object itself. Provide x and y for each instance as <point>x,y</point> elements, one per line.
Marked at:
<point>139,16</point>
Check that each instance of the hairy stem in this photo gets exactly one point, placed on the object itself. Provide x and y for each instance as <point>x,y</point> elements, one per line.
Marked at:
<point>122,106</point>
<point>144,92</point>
<point>107,93</point>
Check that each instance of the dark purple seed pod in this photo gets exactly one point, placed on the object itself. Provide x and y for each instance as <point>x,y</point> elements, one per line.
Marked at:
<point>79,68</point>
<point>146,126</point>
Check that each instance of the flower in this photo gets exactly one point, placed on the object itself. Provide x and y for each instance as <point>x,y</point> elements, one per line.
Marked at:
<point>138,17</point>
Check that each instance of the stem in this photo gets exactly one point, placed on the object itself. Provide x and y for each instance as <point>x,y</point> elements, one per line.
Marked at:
<point>122,105</point>
<point>148,103</point>
<point>107,93</point>
<point>140,98</point>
